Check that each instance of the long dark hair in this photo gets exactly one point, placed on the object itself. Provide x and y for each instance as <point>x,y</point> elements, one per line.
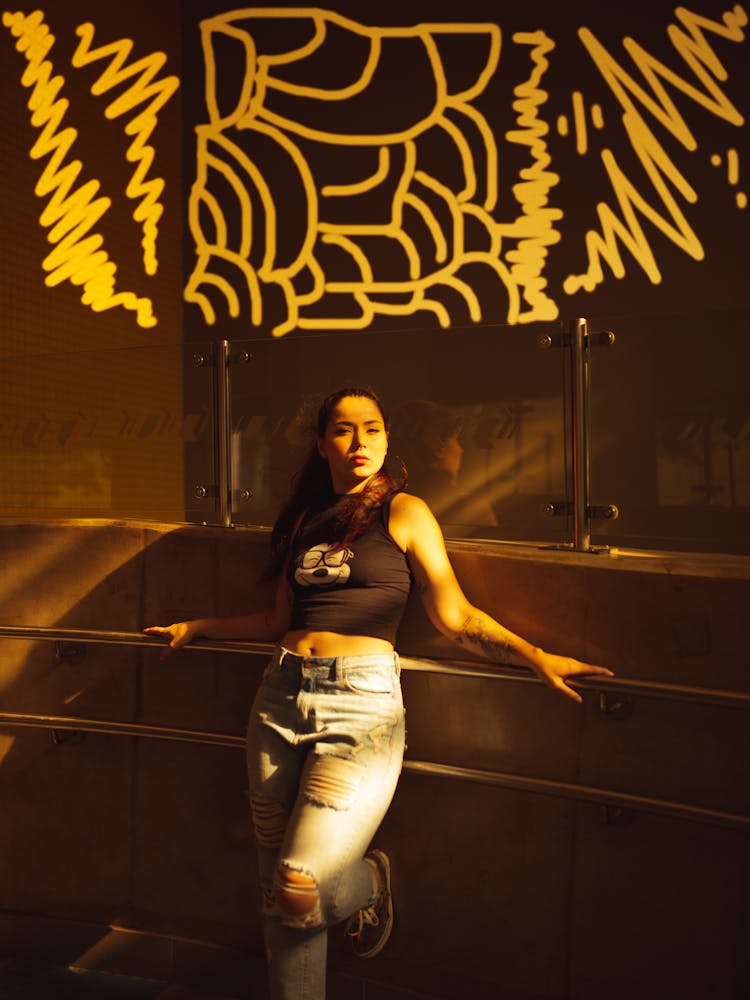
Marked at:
<point>312,488</point>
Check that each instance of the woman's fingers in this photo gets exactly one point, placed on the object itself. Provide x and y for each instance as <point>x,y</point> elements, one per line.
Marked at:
<point>171,632</point>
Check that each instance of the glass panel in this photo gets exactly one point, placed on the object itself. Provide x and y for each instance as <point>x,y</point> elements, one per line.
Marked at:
<point>98,434</point>
<point>670,418</point>
<point>199,433</point>
<point>477,418</point>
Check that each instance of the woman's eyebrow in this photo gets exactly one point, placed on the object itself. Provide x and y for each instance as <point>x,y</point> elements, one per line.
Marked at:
<point>349,423</point>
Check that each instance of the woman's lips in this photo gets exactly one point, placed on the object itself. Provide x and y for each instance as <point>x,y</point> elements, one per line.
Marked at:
<point>359,460</point>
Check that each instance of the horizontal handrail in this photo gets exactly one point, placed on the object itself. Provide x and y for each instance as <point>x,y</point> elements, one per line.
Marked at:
<point>453,668</point>
<point>497,779</point>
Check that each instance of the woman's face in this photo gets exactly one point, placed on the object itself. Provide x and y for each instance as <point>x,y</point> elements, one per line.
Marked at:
<point>449,456</point>
<point>354,444</point>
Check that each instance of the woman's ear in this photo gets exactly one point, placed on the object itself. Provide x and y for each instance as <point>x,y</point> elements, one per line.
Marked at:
<point>321,452</point>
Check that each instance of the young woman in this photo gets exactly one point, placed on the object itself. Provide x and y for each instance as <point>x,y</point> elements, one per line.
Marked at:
<point>326,732</point>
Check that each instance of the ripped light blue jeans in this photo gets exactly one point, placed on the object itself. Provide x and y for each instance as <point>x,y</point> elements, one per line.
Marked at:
<point>325,747</point>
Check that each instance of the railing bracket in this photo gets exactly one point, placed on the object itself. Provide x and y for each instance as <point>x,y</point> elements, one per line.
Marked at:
<point>70,652</point>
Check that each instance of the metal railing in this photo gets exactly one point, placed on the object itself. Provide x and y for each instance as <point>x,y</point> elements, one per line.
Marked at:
<point>610,800</point>
<point>578,341</point>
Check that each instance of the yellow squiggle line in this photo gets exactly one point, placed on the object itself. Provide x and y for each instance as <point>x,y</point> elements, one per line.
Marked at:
<point>71,212</point>
<point>264,193</point>
<point>217,25</point>
<point>733,167</point>
<point>216,212</point>
<point>244,201</point>
<point>360,187</point>
<point>698,55</point>
<point>359,85</point>
<point>488,224</point>
<point>150,209</point>
<point>467,160</point>
<point>428,216</point>
<point>451,201</point>
<point>579,117</point>
<point>318,285</point>
<point>535,227</point>
<point>305,175</point>
<point>355,251</point>
<point>490,150</point>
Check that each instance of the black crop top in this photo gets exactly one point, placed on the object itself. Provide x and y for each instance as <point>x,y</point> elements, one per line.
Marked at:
<point>358,590</point>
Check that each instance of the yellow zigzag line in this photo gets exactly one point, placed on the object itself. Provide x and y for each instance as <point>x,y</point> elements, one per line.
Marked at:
<point>142,90</point>
<point>700,57</point>
<point>70,213</point>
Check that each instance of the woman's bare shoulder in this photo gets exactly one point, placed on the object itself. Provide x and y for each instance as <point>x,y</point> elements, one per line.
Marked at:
<point>408,505</point>
<point>409,517</point>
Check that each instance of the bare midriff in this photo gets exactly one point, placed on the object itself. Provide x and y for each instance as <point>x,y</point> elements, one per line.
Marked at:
<point>333,644</point>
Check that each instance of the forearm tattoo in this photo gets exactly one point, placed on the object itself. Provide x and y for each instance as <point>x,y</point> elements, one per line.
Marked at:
<point>478,635</point>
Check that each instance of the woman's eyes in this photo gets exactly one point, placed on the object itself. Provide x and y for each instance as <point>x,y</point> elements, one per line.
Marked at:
<point>343,431</point>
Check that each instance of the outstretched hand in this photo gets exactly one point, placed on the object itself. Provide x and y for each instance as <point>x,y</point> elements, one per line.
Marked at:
<point>178,635</point>
<point>556,670</point>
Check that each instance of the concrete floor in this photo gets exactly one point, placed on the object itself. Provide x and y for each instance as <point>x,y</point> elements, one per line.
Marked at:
<point>21,980</point>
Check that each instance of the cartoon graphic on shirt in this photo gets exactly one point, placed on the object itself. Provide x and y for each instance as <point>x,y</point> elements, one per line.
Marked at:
<point>321,567</point>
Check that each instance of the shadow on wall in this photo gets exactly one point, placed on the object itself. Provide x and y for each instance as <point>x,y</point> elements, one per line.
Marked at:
<point>112,829</point>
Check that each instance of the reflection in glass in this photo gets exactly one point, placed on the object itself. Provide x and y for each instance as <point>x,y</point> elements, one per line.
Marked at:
<point>477,417</point>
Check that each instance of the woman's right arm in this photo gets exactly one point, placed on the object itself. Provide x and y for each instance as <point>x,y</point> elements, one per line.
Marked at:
<point>262,626</point>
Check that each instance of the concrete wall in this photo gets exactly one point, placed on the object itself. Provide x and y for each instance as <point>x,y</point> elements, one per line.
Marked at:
<point>500,892</point>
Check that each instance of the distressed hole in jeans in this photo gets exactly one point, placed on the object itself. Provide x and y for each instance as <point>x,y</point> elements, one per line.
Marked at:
<point>269,821</point>
<point>333,781</point>
<point>297,896</point>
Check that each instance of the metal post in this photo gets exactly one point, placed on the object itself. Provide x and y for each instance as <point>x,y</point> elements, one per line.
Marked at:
<point>579,381</point>
<point>223,434</point>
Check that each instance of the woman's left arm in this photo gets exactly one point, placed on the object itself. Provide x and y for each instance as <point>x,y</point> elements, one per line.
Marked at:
<point>415,529</point>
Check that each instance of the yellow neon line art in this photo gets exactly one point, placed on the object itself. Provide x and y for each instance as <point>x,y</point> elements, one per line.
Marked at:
<point>273,97</point>
<point>328,94</point>
<point>305,175</point>
<point>441,246</point>
<point>213,207</point>
<point>467,161</point>
<point>360,187</point>
<point>492,228</point>
<point>487,71</point>
<point>248,81</point>
<point>534,230</point>
<point>144,89</point>
<point>597,116</point>
<point>357,254</point>
<point>733,167</point>
<point>579,117</point>
<point>490,152</point>
<point>452,204</point>
<point>214,162</point>
<point>659,168</point>
<point>71,213</point>
<point>260,185</point>
<point>317,288</point>
<point>233,302</point>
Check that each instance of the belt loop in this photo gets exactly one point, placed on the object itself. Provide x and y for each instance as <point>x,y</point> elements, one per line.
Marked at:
<point>396,663</point>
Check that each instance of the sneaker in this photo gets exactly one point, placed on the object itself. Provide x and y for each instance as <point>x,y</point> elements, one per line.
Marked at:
<point>370,927</point>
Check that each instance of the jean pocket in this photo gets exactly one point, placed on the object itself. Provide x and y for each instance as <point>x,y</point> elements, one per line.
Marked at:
<point>370,680</point>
